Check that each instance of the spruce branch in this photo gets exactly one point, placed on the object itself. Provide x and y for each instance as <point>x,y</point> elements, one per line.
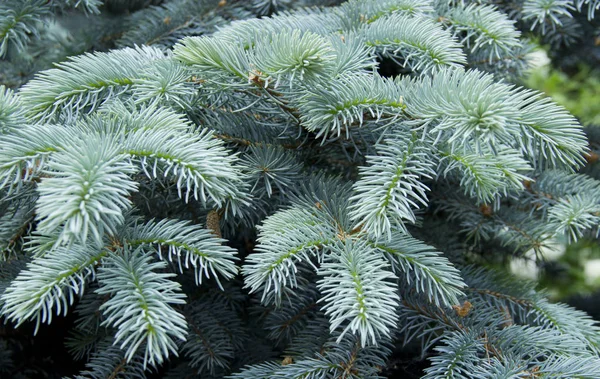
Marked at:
<point>545,137</point>
<point>286,239</point>
<point>188,245</point>
<point>18,21</point>
<point>547,13</point>
<point>85,82</point>
<point>392,185</point>
<point>50,284</point>
<point>417,43</point>
<point>25,151</point>
<point>433,275</point>
<point>305,56</point>
<point>484,176</point>
<point>139,305</point>
<point>358,292</point>
<point>199,163</point>
<point>484,28</point>
<point>108,361</point>
<point>86,191</point>
<point>12,114</point>
<point>371,10</point>
<point>349,101</point>
<point>592,6</point>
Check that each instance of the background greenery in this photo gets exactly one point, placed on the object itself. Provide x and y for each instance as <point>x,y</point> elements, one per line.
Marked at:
<point>579,93</point>
<point>573,271</point>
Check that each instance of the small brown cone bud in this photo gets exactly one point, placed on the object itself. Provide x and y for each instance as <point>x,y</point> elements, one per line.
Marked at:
<point>508,319</point>
<point>213,222</point>
<point>486,210</point>
<point>463,310</point>
<point>592,157</point>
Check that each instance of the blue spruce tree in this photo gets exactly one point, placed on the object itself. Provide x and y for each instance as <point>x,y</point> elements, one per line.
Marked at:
<point>291,189</point>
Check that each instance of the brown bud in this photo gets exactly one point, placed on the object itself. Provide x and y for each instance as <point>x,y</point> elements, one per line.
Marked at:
<point>592,157</point>
<point>486,210</point>
<point>213,222</point>
<point>464,309</point>
<point>508,319</point>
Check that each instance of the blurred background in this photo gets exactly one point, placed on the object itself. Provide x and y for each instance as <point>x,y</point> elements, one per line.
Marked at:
<point>570,273</point>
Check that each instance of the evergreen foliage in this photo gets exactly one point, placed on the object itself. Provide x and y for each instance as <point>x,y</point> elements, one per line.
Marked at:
<point>271,189</point>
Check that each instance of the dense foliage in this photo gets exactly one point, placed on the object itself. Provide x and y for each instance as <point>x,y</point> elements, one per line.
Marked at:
<point>307,194</point>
